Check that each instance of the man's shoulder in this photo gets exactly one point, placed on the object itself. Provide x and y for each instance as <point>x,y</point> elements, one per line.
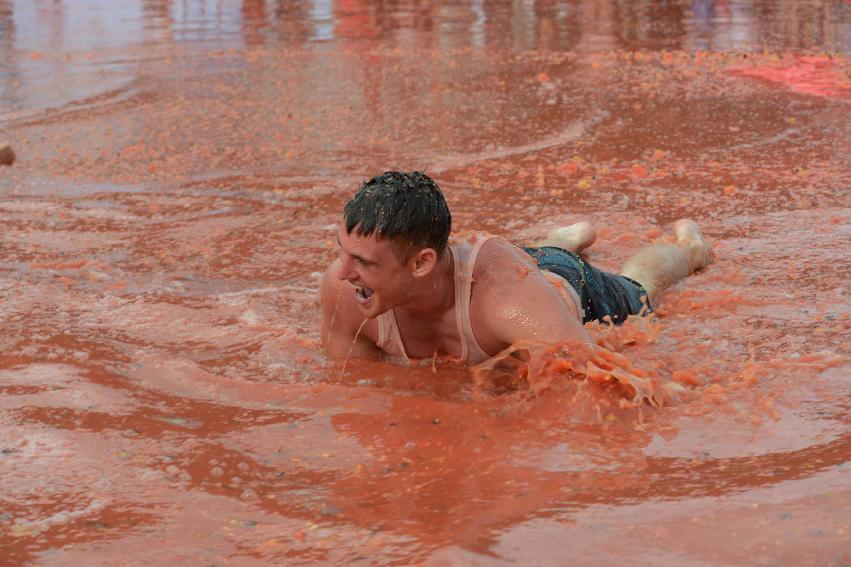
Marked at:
<point>330,284</point>
<point>338,303</point>
<point>499,258</point>
<point>513,299</point>
<point>500,275</point>
<point>505,276</point>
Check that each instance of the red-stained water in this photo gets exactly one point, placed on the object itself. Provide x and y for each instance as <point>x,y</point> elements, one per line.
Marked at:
<point>181,166</point>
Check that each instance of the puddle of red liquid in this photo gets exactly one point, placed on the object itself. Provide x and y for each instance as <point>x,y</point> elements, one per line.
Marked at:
<point>809,75</point>
<point>163,396</point>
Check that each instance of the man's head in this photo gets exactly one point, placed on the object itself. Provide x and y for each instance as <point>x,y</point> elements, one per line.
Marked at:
<point>405,208</point>
<point>394,232</point>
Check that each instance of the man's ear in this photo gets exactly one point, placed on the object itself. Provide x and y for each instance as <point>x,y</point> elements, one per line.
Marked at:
<point>423,262</point>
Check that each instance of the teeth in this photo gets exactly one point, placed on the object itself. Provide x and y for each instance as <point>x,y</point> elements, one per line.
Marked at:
<point>363,292</point>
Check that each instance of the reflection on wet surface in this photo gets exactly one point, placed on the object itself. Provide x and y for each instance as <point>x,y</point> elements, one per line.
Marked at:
<point>180,169</point>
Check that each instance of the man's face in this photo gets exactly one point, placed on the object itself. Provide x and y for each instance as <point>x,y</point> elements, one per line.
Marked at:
<point>372,266</point>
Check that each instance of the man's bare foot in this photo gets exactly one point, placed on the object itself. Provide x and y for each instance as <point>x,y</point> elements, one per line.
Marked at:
<point>575,237</point>
<point>690,239</point>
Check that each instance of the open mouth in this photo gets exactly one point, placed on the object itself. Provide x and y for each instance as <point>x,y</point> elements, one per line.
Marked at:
<point>362,293</point>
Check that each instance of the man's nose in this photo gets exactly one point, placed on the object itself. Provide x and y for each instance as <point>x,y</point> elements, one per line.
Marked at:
<point>346,272</point>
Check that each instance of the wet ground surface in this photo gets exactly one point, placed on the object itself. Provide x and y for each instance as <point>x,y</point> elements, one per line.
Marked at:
<point>180,169</point>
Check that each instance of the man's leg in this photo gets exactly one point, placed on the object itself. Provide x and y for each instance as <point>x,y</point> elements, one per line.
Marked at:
<point>659,266</point>
<point>573,238</point>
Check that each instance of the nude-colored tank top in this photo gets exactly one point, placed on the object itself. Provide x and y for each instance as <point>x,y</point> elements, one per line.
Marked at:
<point>464,260</point>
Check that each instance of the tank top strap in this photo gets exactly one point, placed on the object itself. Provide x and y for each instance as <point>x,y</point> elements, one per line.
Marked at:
<point>389,339</point>
<point>464,257</point>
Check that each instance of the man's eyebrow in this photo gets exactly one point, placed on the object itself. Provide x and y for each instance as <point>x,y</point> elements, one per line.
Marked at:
<point>357,256</point>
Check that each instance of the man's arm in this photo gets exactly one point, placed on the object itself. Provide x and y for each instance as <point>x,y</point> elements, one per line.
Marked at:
<point>341,320</point>
<point>514,301</point>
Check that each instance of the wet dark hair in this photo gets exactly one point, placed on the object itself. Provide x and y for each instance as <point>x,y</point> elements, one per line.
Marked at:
<point>407,208</point>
